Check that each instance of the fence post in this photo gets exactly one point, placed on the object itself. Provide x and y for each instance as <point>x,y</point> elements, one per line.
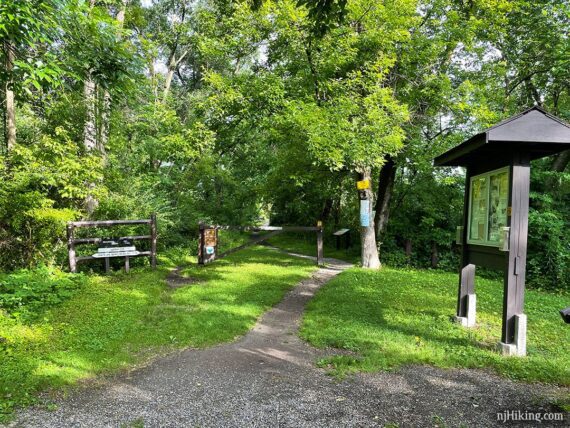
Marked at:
<point>201,227</point>
<point>71,248</point>
<point>217,244</point>
<point>152,242</point>
<point>320,255</point>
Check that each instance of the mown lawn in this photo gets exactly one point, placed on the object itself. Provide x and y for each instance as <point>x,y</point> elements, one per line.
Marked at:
<point>394,317</point>
<point>306,243</point>
<point>117,321</point>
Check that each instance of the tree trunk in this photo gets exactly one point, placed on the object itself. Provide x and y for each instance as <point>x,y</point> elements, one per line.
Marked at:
<point>91,203</point>
<point>153,81</point>
<point>385,188</point>
<point>369,250</point>
<point>122,12</point>
<point>327,208</point>
<point>105,123</point>
<point>106,114</point>
<point>434,255</point>
<point>169,76</point>
<point>9,96</point>
<point>89,127</point>
<point>408,250</point>
<point>10,119</point>
<point>336,212</point>
<point>561,161</point>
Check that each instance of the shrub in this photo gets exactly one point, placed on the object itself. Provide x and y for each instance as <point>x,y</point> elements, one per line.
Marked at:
<point>27,293</point>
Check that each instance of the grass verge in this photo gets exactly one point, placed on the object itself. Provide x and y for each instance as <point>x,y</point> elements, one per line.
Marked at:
<point>120,320</point>
<point>393,317</point>
<point>306,243</point>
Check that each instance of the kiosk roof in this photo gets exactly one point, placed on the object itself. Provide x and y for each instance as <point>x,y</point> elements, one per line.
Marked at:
<point>534,131</point>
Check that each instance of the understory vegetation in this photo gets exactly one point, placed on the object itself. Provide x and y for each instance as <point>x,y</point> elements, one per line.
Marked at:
<point>78,326</point>
<point>404,316</point>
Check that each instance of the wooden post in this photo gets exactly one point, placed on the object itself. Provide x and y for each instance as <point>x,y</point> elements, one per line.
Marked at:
<point>127,264</point>
<point>201,249</point>
<point>320,255</point>
<point>71,248</point>
<point>466,270</point>
<point>513,297</point>
<point>217,244</point>
<point>434,255</point>
<point>107,264</point>
<point>152,242</point>
<point>466,287</point>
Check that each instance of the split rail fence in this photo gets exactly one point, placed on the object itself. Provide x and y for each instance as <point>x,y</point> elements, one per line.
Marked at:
<point>209,238</point>
<point>72,242</point>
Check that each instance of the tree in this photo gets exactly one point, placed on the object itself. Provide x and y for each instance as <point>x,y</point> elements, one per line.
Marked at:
<point>172,29</point>
<point>430,77</point>
<point>25,31</point>
<point>106,113</point>
<point>339,108</point>
<point>100,58</point>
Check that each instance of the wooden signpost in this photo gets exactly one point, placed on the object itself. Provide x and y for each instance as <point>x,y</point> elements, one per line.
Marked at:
<point>495,215</point>
<point>111,248</point>
<point>207,244</point>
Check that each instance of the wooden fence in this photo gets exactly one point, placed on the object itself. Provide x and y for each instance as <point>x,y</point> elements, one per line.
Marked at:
<point>72,241</point>
<point>209,239</point>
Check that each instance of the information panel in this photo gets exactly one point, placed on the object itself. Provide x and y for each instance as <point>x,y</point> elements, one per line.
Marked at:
<point>488,207</point>
<point>479,205</point>
<point>498,201</point>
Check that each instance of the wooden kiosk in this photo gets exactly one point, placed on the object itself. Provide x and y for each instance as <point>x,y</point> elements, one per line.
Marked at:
<point>495,216</point>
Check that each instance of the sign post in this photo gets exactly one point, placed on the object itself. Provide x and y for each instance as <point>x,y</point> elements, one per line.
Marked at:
<point>208,244</point>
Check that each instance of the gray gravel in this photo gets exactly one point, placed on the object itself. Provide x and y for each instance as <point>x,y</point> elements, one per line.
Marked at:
<point>269,379</point>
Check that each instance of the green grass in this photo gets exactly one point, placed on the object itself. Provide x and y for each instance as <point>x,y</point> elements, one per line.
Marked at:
<point>306,243</point>
<point>393,317</point>
<point>121,320</point>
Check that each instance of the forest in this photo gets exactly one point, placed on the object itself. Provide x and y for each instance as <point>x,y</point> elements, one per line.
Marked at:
<point>241,112</point>
<point>273,113</point>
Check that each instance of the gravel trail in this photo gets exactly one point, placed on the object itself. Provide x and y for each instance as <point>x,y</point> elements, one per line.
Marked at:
<point>269,379</point>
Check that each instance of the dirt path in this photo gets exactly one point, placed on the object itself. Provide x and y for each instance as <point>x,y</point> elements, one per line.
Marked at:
<point>269,379</point>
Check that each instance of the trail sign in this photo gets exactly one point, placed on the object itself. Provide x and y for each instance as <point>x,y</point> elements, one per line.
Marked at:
<point>207,244</point>
<point>210,237</point>
<point>363,184</point>
<point>116,248</point>
<point>364,212</point>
